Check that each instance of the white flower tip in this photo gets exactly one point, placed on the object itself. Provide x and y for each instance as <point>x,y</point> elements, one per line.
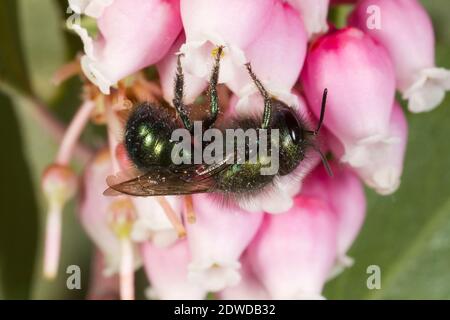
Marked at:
<point>88,42</point>
<point>428,90</point>
<point>278,204</point>
<point>342,262</point>
<point>361,153</point>
<point>249,95</point>
<point>199,51</point>
<point>91,8</point>
<point>315,30</point>
<point>88,61</point>
<point>386,180</point>
<point>93,73</point>
<point>214,276</point>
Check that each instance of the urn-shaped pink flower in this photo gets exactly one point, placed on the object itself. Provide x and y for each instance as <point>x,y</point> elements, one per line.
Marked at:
<point>294,252</point>
<point>131,37</point>
<point>360,79</point>
<point>404,28</point>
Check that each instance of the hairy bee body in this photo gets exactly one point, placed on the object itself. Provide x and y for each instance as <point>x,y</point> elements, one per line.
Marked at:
<point>149,144</point>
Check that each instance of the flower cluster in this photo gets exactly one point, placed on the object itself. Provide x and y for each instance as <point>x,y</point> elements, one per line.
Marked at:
<point>285,245</point>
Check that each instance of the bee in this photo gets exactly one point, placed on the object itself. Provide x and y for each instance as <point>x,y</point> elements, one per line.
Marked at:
<point>149,144</point>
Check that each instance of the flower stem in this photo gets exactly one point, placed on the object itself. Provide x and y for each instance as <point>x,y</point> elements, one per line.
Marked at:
<point>73,132</point>
<point>52,241</point>
<point>126,269</point>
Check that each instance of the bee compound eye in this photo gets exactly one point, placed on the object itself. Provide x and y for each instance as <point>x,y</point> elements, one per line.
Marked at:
<point>294,127</point>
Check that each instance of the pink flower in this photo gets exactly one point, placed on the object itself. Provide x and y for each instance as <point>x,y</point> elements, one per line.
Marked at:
<point>404,28</point>
<point>277,57</point>
<point>193,86</point>
<point>344,193</point>
<point>94,211</point>
<point>234,24</point>
<point>293,253</point>
<point>93,208</point>
<point>217,240</point>
<point>167,270</point>
<point>108,222</point>
<point>361,85</point>
<point>314,14</point>
<point>131,37</point>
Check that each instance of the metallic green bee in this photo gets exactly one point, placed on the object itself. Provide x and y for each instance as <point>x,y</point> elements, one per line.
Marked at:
<point>149,144</point>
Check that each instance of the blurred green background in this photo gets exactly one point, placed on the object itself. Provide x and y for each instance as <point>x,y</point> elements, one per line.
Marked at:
<point>406,234</point>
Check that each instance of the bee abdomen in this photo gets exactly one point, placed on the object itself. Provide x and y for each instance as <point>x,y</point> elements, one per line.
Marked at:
<point>148,135</point>
<point>243,178</point>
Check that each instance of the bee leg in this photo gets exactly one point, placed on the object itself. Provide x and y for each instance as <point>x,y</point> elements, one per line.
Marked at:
<point>212,90</point>
<point>178,96</point>
<point>267,99</point>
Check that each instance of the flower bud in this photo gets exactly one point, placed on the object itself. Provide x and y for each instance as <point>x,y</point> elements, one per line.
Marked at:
<point>127,42</point>
<point>361,86</point>
<point>59,184</point>
<point>217,240</point>
<point>293,253</point>
<point>404,28</point>
<point>167,270</point>
<point>314,14</point>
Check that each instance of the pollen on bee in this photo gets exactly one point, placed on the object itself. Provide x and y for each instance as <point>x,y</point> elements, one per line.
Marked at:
<point>215,50</point>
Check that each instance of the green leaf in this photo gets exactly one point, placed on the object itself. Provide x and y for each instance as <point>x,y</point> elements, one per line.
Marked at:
<point>42,35</point>
<point>18,211</point>
<point>13,70</point>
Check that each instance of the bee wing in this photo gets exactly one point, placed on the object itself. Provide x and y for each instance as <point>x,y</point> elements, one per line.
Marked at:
<point>162,181</point>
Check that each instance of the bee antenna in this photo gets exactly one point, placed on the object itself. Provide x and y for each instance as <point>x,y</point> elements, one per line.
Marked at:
<point>322,110</point>
<point>322,114</point>
<point>324,160</point>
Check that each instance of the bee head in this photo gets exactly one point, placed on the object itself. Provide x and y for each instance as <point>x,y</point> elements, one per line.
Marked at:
<point>294,137</point>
